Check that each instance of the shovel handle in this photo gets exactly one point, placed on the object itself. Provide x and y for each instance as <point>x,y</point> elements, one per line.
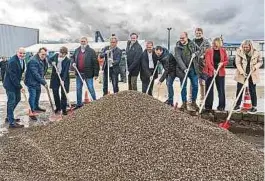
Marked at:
<point>186,74</point>
<point>50,99</point>
<point>151,78</point>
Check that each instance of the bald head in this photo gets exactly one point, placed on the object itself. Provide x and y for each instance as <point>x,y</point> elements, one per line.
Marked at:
<point>21,53</point>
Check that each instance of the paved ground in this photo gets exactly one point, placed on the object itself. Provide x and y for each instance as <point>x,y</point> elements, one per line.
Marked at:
<point>253,137</point>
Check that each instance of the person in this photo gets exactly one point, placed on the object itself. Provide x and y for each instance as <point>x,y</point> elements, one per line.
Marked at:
<point>148,62</point>
<point>112,58</point>
<point>247,59</point>
<point>12,84</point>
<point>203,44</point>
<point>62,63</point>
<point>3,65</point>
<point>85,59</point>
<point>123,67</point>
<point>133,52</point>
<point>186,50</point>
<point>34,78</point>
<point>214,57</point>
<point>171,71</point>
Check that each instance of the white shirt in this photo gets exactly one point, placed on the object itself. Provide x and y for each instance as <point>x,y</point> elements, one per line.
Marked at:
<point>151,62</point>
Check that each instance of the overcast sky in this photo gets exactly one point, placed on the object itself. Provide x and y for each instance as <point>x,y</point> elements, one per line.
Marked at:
<point>234,19</point>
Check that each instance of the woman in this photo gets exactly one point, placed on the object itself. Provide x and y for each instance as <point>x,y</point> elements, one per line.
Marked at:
<point>247,59</point>
<point>215,56</point>
<point>62,62</point>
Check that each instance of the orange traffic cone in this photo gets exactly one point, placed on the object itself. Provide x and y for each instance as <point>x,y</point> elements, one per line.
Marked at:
<point>86,98</point>
<point>247,101</point>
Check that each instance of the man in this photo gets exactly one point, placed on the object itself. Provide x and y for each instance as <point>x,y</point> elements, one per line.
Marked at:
<point>15,69</point>
<point>185,50</point>
<point>112,58</point>
<point>85,60</point>
<point>148,63</point>
<point>203,44</point>
<point>3,65</point>
<point>62,62</point>
<point>123,64</point>
<point>133,51</point>
<point>171,71</point>
<point>34,78</point>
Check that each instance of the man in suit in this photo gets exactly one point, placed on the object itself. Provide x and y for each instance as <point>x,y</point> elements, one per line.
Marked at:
<point>62,62</point>
<point>12,84</point>
<point>148,63</point>
<point>34,78</point>
<point>85,60</point>
<point>113,59</point>
<point>134,52</point>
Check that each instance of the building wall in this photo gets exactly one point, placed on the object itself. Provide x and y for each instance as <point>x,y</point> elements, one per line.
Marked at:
<point>13,37</point>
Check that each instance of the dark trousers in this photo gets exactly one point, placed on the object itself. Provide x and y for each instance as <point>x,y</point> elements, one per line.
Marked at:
<point>114,79</point>
<point>123,74</point>
<point>252,91</point>
<point>60,103</point>
<point>13,98</point>
<point>3,75</point>
<point>34,97</point>
<point>145,84</point>
<point>220,85</point>
<point>132,82</point>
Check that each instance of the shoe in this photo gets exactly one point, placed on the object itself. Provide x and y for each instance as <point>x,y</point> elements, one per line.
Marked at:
<point>253,110</point>
<point>195,106</point>
<point>183,106</point>
<point>77,107</point>
<point>64,112</point>
<point>57,111</point>
<point>220,108</point>
<point>12,126</point>
<point>17,120</point>
<point>237,109</point>
<point>169,103</point>
<point>33,118</point>
<point>40,109</point>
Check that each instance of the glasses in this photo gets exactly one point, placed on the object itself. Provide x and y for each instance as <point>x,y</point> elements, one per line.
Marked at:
<point>112,42</point>
<point>22,53</point>
<point>83,41</point>
<point>181,38</point>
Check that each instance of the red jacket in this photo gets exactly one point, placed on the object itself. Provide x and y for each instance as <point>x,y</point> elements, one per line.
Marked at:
<point>209,64</point>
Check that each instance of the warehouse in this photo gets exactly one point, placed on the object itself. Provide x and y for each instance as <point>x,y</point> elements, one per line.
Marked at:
<point>13,37</point>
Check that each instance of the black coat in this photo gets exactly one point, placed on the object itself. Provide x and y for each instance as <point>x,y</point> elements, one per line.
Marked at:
<point>116,59</point>
<point>14,74</point>
<point>3,66</point>
<point>91,62</point>
<point>55,82</point>
<point>145,72</point>
<point>133,58</point>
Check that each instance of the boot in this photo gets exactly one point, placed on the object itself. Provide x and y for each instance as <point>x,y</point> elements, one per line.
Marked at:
<point>195,106</point>
<point>183,106</point>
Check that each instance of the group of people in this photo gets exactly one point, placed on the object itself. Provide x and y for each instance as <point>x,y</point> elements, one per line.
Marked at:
<point>194,58</point>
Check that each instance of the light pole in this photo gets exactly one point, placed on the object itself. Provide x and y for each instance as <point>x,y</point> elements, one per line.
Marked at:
<point>168,38</point>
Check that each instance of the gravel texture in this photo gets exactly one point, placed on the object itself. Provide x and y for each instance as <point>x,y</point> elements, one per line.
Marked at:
<point>128,136</point>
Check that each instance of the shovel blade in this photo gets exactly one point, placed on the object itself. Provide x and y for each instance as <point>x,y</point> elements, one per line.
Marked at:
<point>225,125</point>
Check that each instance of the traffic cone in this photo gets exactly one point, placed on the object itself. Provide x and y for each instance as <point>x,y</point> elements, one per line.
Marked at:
<point>247,101</point>
<point>86,98</point>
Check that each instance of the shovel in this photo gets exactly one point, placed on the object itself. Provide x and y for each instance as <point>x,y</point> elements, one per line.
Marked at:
<point>62,85</point>
<point>152,77</point>
<point>226,124</point>
<point>208,91</point>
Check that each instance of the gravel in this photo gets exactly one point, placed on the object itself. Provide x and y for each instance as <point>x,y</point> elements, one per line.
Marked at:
<point>128,136</point>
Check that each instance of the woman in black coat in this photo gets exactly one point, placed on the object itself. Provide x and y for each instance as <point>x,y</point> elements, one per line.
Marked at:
<point>62,62</point>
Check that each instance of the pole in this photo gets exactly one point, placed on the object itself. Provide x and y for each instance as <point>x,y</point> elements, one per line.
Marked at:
<point>168,38</point>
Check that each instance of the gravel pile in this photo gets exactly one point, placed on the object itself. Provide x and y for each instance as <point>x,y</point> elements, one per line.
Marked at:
<point>128,136</point>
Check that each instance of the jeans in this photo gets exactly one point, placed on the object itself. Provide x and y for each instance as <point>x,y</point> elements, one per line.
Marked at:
<point>220,85</point>
<point>132,82</point>
<point>60,103</point>
<point>115,81</point>
<point>13,98</point>
<point>79,85</point>
<point>34,97</point>
<point>194,83</point>
<point>170,81</point>
<point>252,91</point>
<point>145,86</point>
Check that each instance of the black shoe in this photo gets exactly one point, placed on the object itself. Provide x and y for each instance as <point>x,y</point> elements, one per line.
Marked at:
<point>183,106</point>
<point>17,120</point>
<point>77,107</point>
<point>169,103</point>
<point>64,112</point>
<point>40,109</point>
<point>220,108</point>
<point>33,118</point>
<point>16,126</point>
<point>57,111</point>
<point>237,109</point>
<point>253,110</point>
<point>195,106</point>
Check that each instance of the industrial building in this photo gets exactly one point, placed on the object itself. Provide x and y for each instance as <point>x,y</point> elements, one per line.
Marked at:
<point>13,37</point>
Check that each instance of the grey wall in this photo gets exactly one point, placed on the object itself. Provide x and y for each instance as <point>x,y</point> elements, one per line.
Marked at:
<point>13,37</point>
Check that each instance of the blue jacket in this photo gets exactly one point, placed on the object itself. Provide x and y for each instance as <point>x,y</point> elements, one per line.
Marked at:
<point>14,74</point>
<point>55,82</point>
<point>35,72</point>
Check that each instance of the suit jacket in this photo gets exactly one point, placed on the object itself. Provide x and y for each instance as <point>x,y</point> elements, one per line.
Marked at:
<point>116,59</point>
<point>14,74</point>
<point>145,72</point>
<point>133,58</point>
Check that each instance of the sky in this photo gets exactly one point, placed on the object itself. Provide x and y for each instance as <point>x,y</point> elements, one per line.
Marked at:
<point>234,19</point>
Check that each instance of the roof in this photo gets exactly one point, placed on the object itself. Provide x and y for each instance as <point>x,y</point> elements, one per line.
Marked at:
<point>1,24</point>
<point>97,46</point>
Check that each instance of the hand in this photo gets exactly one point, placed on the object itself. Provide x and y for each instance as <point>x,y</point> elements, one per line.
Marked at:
<point>74,64</point>
<point>95,77</point>
<point>193,55</point>
<point>22,90</point>
<point>110,60</point>
<point>62,82</point>
<point>53,63</point>
<point>253,68</point>
<point>159,83</point>
<point>185,71</point>
<point>202,57</point>
<point>46,86</point>
<point>221,64</point>
<point>244,74</point>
